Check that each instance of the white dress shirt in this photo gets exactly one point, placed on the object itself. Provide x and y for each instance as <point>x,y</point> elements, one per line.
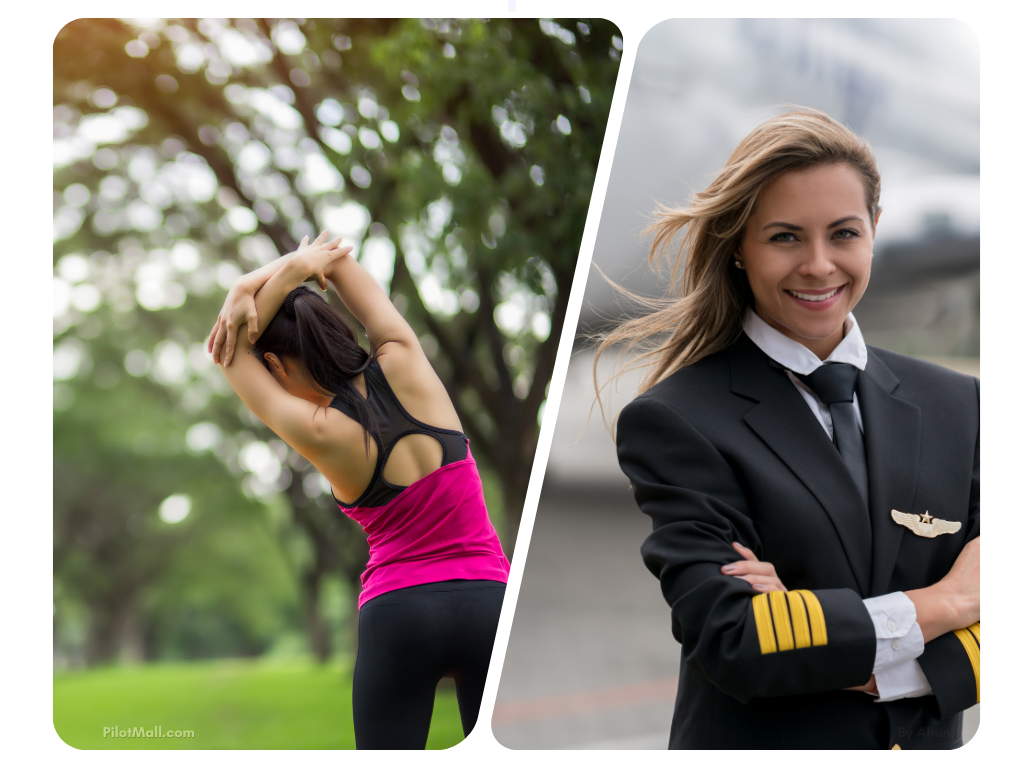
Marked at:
<point>898,635</point>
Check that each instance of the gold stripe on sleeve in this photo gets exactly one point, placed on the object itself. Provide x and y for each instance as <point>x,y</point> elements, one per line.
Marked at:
<point>783,626</point>
<point>975,630</point>
<point>973,653</point>
<point>763,619</point>
<point>801,629</point>
<point>819,636</point>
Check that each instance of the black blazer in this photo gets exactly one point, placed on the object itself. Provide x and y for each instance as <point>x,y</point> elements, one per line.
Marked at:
<point>727,450</point>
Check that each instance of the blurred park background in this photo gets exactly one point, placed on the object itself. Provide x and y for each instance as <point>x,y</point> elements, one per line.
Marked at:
<point>458,156</point>
<point>591,662</point>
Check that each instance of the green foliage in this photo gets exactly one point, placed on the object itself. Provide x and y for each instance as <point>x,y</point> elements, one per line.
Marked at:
<point>228,705</point>
<point>217,576</point>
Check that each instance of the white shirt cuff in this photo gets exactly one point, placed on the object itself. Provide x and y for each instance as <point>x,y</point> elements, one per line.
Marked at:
<point>902,681</point>
<point>897,633</point>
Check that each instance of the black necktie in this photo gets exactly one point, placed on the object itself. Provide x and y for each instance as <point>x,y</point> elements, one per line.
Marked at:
<point>834,383</point>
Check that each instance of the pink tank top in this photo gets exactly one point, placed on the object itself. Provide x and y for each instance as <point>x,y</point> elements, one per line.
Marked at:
<point>435,530</point>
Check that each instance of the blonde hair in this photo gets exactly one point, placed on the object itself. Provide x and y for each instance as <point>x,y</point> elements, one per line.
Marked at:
<point>711,297</point>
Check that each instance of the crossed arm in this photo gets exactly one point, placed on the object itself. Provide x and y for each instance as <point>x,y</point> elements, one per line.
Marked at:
<point>735,619</point>
<point>946,606</point>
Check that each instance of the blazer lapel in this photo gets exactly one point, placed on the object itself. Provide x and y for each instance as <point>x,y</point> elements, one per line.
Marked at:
<point>785,423</point>
<point>892,441</point>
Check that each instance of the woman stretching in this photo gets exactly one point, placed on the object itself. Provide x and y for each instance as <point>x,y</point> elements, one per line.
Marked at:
<point>381,428</point>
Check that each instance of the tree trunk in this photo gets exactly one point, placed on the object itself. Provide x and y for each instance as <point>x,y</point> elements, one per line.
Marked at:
<point>132,642</point>
<point>107,621</point>
<point>339,547</point>
<point>101,641</point>
<point>317,630</point>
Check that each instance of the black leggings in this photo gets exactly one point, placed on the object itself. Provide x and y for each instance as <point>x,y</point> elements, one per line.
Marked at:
<point>408,640</point>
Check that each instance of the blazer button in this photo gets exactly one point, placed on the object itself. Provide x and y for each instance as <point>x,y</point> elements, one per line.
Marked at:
<point>897,746</point>
<point>897,644</point>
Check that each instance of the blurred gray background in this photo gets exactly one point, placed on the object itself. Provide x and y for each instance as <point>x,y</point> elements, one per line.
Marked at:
<point>591,662</point>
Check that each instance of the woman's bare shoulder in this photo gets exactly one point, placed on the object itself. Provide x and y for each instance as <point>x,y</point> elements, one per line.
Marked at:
<point>341,451</point>
<point>416,385</point>
<point>330,431</point>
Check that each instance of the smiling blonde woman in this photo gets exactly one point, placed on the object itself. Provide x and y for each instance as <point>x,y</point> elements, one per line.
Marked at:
<point>815,501</point>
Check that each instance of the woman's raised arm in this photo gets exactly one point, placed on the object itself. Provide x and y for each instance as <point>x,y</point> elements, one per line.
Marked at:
<point>240,304</point>
<point>309,262</point>
<point>240,308</point>
<point>299,422</point>
<point>368,303</point>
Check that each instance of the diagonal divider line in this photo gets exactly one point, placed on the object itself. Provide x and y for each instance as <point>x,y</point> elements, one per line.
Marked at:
<point>546,707</point>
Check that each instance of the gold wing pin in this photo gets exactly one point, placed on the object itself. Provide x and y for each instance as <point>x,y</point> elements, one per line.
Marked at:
<point>925,525</point>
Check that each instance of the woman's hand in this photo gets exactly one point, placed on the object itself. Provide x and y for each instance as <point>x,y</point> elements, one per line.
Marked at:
<point>869,687</point>
<point>314,259</point>
<point>955,601</point>
<point>964,580</point>
<point>239,307</point>
<point>764,579</point>
<point>761,575</point>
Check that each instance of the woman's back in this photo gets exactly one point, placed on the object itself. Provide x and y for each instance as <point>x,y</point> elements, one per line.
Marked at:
<point>435,527</point>
<point>412,403</point>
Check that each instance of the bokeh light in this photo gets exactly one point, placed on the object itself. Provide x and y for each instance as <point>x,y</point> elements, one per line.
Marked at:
<point>175,508</point>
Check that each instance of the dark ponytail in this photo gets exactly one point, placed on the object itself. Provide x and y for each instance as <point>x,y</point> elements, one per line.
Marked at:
<point>308,329</point>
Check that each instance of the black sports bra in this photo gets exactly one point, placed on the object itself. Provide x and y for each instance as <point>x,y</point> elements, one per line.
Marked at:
<point>395,423</point>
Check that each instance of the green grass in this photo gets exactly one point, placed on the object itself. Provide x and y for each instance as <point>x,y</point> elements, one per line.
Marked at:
<point>231,704</point>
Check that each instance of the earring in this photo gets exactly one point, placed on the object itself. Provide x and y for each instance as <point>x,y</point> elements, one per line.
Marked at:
<point>738,264</point>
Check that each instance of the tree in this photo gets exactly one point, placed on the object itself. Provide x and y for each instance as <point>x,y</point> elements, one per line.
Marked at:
<point>458,155</point>
<point>134,563</point>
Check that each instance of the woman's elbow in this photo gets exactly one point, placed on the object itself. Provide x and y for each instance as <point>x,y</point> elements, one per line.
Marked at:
<point>720,654</point>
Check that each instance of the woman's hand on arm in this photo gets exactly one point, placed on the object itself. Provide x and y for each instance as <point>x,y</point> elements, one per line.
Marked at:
<point>760,575</point>
<point>308,262</point>
<point>955,601</point>
<point>239,309</point>
<point>315,259</point>
<point>951,604</point>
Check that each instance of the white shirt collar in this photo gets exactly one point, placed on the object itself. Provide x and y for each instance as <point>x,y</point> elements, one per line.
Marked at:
<point>795,356</point>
